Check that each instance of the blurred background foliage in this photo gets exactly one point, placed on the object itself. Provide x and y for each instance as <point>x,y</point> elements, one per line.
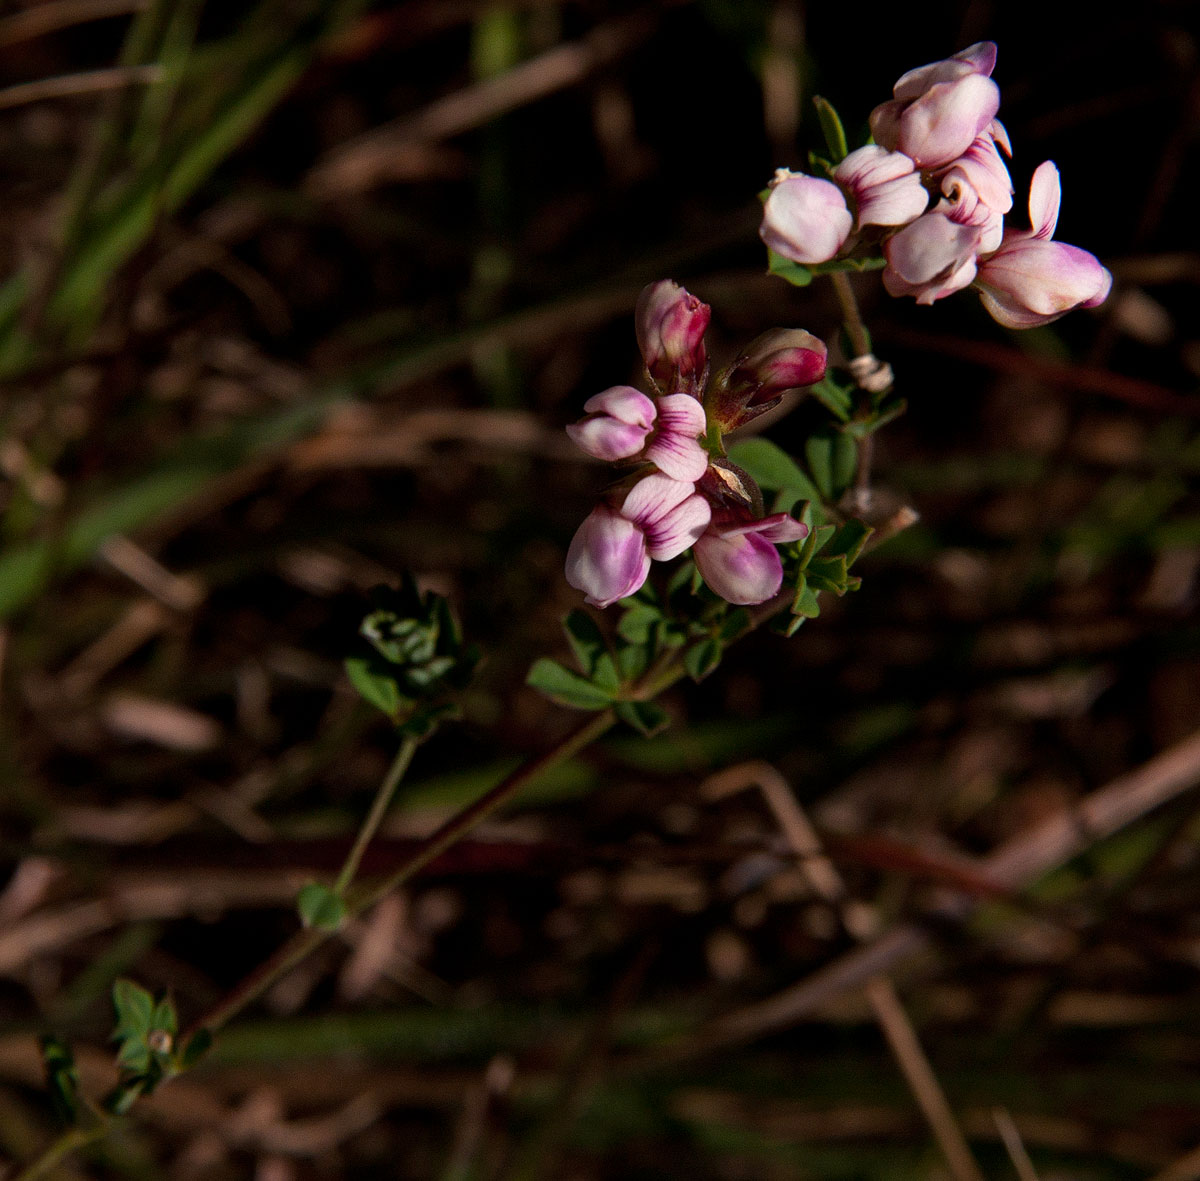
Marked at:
<point>299,295</point>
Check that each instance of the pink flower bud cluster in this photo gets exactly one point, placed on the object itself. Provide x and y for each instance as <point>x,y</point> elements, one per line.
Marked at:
<point>682,492</point>
<point>935,186</point>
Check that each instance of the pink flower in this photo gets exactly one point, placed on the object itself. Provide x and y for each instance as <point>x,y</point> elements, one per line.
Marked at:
<point>978,189</point>
<point>670,324</point>
<point>886,187</point>
<point>938,110</point>
<point>623,423</point>
<point>737,558</point>
<point>1031,280</point>
<point>610,554</point>
<point>805,218</point>
<point>932,257</point>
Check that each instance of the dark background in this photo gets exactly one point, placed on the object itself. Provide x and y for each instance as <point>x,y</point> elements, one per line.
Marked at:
<point>320,360</point>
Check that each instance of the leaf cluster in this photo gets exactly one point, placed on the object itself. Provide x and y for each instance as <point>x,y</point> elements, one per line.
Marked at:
<point>145,1036</point>
<point>410,653</point>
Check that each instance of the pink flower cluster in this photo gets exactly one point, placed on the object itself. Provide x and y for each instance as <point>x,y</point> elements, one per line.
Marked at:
<point>936,185</point>
<point>681,494</point>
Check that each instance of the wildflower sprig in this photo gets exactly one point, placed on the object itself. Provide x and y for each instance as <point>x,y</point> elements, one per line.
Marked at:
<point>410,654</point>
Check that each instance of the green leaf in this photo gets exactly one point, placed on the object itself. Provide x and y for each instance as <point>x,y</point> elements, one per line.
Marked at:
<point>585,638</point>
<point>62,1079</point>
<point>567,688</point>
<point>849,539</point>
<point>633,660</point>
<point>818,451</point>
<point>702,658</point>
<point>845,462</point>
<point>197,1046</point>
<point>772,468</point>
<point>637,622</point>
<point>135,1010</point>
<point>320,907</point>
<point>605,678</point>
<point>831,128</point>
<point>647,717</point>
<point>836,399</point>
<point>376,688</point>
<point>164,1019</point>
<point>793,272</point>
<point>805,604</point>
<point>734,623</point>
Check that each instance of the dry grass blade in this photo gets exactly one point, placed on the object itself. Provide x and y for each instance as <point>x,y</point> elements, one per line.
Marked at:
<point>87,82</point>
<point>1017,863</point>
<point>890,1013</point>
<point>374,157</point>
<point>61,14</point>
<point>1011,1135</point>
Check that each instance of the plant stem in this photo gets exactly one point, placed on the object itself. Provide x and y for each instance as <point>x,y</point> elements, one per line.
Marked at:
<point>855,328</point>
<point>462,822</point>
<point>383,799</point>
<point>70,1141</point>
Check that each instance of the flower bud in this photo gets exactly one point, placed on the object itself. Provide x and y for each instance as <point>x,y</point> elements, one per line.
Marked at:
<point>805,218</point>
<point>775,362</point>
<point>670,324</point>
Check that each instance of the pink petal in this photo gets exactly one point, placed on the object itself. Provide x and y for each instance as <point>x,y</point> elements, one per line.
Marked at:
<point>743,568</point>
<point>979,58</point>
<point>805,218</point>
<point>940,125</point>
<point>607,558</point>
<point>887,190</point>
<point>1045,196</point>
<point>778,527</point>
<point>606,438</point>
<point>1029,281</point>
<point>670,324</point>
<point>624,403</point>
<point>931,258</point>
<point>670,512</point>
<point>676,449</point>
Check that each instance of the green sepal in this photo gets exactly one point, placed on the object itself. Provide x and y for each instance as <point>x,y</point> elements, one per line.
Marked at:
<point>831,128</point>
<point>62,1079</point>
<point>320,907</point>
<point>586,639</point>
<point>647,717</point>
<point>702,658</point>
<point>784,268</point>
<point>567,688</point>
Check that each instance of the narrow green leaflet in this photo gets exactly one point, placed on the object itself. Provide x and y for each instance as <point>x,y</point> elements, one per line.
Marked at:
<point>647,717</point>
<point>831,128</point>
<point>784,268</point>
<point>567,688</point>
